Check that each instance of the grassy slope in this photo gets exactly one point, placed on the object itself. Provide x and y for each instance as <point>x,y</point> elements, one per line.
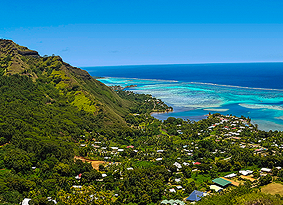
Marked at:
<point>89,94</point>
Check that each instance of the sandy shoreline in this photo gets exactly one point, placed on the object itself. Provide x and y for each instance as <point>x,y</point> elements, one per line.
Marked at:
<point>161,112</point>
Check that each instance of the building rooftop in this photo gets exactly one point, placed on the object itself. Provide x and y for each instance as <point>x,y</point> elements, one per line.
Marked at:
<point>221,182</point>
<point>195,196</point>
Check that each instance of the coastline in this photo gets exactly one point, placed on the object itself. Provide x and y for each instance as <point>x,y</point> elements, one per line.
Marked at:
<point>195,100</point>
<point>161,112</point>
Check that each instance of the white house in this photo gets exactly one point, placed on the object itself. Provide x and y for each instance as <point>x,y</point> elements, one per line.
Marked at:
<point>265,170</point>
<point>230,175</point>
<point>25,201</point>
<point>245,172</point>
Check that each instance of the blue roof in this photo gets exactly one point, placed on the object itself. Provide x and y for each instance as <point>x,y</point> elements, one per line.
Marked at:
<point>195,196</point>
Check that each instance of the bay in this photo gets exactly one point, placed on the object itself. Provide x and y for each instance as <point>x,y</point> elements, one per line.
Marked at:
<point>253,90</point>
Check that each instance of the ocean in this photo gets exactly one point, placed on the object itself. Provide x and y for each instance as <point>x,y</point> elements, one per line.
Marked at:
<point>253,90</point>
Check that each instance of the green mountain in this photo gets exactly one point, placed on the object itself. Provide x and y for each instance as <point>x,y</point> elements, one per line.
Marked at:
<point>76,85</point>
<point>54,116</point>
<point>46,106</point>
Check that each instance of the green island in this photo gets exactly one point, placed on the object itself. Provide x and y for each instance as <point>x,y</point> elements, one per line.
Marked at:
<point>66,138</point>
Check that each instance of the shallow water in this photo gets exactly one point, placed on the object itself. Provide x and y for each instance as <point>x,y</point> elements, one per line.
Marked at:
<point>225,93</point>
<point>194,100</point>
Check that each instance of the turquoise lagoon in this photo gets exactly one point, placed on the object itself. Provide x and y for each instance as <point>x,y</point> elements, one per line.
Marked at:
<point>195,100</point>
<point>250,90</point>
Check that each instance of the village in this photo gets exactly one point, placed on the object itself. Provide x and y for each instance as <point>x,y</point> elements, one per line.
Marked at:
<point>205,164</point>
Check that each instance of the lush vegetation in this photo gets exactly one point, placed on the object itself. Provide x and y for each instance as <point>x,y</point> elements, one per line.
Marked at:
<point>52,115</point>
<point>144,103</point>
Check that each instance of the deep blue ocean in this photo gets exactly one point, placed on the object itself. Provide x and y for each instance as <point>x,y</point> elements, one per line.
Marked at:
<point>253,90</point>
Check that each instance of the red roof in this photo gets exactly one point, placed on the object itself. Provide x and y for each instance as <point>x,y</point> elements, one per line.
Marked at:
<point>197,163</point>
<point>131,146</point>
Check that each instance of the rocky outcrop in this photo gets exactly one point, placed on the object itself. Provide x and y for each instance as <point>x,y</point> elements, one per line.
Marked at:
<point>8,47</point>
<point>28,53</point>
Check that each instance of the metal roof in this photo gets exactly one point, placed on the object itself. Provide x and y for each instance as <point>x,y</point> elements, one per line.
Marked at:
<point>221,182</point>
<point>195,196</point>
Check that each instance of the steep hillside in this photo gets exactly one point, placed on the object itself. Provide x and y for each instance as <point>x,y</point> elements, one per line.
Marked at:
<point>51,112</point>
<point>79,88</point>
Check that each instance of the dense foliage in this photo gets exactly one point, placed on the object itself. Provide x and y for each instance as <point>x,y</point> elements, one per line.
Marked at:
<point>54,117</point>
<point>144,103</point>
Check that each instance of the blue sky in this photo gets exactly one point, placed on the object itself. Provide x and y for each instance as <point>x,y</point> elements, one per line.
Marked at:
<point>118,32</point>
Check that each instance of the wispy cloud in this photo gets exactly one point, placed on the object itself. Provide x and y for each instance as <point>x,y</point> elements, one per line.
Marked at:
<point>65,50</point>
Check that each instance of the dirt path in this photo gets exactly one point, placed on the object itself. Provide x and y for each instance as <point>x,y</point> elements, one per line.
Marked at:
<point>94,163</point>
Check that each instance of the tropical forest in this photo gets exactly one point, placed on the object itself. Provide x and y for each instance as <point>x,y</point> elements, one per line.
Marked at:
<point>68,139</point>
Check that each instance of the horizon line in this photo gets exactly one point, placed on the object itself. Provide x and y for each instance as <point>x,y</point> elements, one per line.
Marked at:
<point>196,63</point>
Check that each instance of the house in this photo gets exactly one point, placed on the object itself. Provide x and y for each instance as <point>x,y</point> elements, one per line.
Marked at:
<point>216,188</point>
<point>176,164</point>
<point>172,201</point>
<point>178,180</point>
<point>50,199</point>
<point>197,163</point>
<point>248,178</point>
<point>195,196</point>
<point>265,170</point>
<point>230,175</point>
<point>158,159</point>
<point>179,187</point>
<point>25,201</point>
<point>78,176</point>
<point>221,182</point>
<point>77,186</point>
<point>172,190</point>
<point>180,132</point>
<point>245,172</point>
<point>232,182</point>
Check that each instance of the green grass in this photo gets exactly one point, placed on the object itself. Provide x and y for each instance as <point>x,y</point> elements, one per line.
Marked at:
<point>59,73</point>
<point>82,102</point>
<point>145,164</point>
<point>163,132</point>
<point>200,178</point>
<point>113,144</point>
<point>62,85</point>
